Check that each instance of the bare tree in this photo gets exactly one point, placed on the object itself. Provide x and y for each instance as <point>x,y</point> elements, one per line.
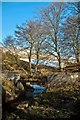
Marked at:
<point>31,37</point>
<point>71,34</point>
<point>40,36</point>
<point>52,18</point>
<point>9,43</point>
<point>25,35</point>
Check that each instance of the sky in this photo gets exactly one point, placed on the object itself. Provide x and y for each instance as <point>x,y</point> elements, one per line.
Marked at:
<point>0,20</point>
<point>16,13</point>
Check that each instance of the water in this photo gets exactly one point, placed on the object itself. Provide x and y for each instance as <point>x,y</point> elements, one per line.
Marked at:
<point>37,89</point>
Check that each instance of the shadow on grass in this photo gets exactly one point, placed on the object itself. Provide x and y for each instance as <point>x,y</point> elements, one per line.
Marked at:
<point>68,108</point>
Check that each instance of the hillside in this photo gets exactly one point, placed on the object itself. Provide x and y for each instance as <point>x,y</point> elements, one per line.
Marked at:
<point>11,62</point>
<point>61,100</point>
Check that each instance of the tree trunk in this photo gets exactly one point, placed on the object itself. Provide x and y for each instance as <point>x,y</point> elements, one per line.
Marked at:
<point>77,49</point>
<point>77,52</point>
<point>36,68</point>
<point>59,60</point>
<point>57,50</point>
<point>77,57</point>
<point>30,65</point>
